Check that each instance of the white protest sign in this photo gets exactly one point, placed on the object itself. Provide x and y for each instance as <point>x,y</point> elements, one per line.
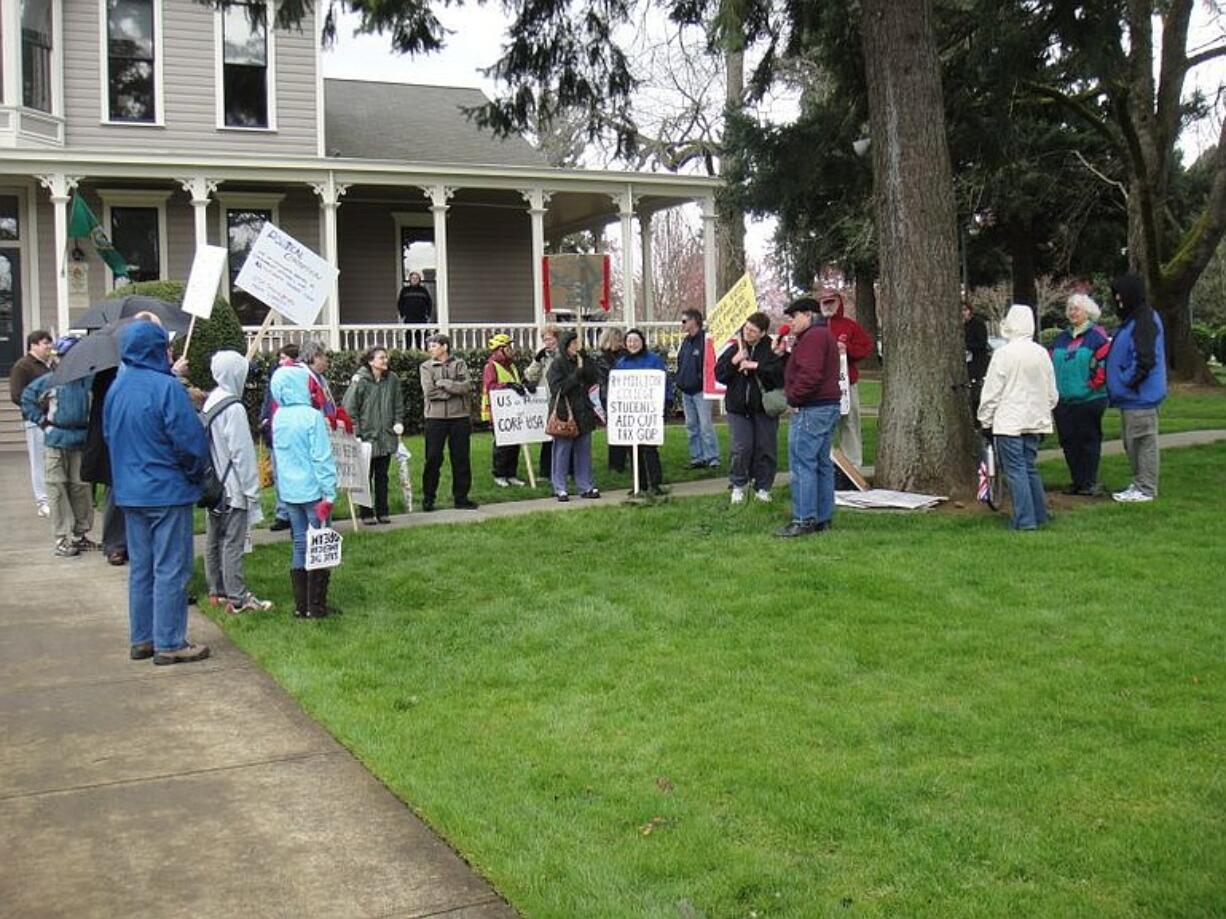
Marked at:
<point>844,385</point>
<point>519,420</point>
<point>360,494</point>
<point>351,471</point>
<point>286,276</point>
<point>323,548</point>
<point>201,291</point>
<point>636,407</point>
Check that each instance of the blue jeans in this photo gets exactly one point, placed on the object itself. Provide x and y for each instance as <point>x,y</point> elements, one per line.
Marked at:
<point>160,565</point>
<point>810,436</point>
<point>281,512</point>
<point>704,445</point>
<point>576,450</point>
<point>300,516</point>
<point>1019,456</point>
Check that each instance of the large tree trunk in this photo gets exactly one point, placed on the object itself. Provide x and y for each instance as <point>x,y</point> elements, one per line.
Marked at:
<point>1021,258</point>
<point>924,441</point>
<point>730,218</point>
<point>1183,358</point>
<point>866,313</point>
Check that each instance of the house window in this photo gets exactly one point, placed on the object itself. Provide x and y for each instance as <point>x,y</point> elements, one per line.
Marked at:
<point>131,53</point>
<point>135,236</point>
<point>36,54</point>
<point>245,66</point>
<point>243,225</point>
<point>10,227</point>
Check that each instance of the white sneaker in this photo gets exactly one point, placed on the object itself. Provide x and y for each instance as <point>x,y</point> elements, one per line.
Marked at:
<point>44,509</point>
<point>1132,496</point>
<point>518,483</point>
<point>763,495</point>
<point>501,482</point>
<point>738,495</point>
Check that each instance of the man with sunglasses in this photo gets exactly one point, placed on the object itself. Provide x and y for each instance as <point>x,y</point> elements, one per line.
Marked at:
<point>691,358</point>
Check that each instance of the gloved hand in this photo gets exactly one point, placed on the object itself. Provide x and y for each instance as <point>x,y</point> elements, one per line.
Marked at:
<point>540,355</point>
<point>398,429</point>
<point>519,389</point>
<point>343,419</point>
<point>323,510</point>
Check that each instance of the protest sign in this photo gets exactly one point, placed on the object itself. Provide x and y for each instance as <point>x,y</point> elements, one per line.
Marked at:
<point>519,420</point>
<point>201,290</point>
<point>286,276</point>
<point>636,407</point>
<point>323,548</point>
<point>352,463</point>
<point>844,385</point>
<point>730,313</point>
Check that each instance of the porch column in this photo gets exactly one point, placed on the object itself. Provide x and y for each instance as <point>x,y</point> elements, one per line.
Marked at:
<point>10,52</point>
<point>439,195</point>
<point>201,190</point>
<point>537,199</point>
<point>649,281</point>
<point>60,186</point>
<point>708,252</point>
<point>625,210</point>
<point>330,192</point>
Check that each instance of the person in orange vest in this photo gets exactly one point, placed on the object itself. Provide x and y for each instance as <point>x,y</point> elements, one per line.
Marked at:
<point>501,373</point>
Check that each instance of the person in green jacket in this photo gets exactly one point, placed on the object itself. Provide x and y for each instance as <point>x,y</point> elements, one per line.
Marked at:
<point>376,405</point>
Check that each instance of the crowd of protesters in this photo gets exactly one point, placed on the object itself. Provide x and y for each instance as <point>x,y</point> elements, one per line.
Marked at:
<point>135,430</point>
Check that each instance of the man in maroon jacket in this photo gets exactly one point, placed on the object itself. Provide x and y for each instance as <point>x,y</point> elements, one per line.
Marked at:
<point>811,381</point>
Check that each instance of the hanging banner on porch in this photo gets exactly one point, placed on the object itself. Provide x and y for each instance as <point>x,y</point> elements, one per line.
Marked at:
<point>285,275</point>
<point>519,420</point>
<point>577,284</point>
<point>636,407</point>
<point>201,291</point>
<point>723,324</point>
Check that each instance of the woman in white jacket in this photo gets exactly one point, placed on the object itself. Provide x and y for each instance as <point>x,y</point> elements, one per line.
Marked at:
<point>1019,393</point>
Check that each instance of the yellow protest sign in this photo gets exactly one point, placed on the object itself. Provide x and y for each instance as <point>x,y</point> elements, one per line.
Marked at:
<point>732,310</point>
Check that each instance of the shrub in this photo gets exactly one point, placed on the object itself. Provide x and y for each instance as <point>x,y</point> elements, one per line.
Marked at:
<point>1048,336</point>
<point>1204,338</point>
<point>1219,345</point>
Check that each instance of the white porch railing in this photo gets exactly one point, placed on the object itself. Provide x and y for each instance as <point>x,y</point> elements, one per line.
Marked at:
<point>465,336</point>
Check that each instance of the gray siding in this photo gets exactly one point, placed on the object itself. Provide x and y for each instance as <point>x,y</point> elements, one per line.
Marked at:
<point>366,240</point>
<point>189,90</point>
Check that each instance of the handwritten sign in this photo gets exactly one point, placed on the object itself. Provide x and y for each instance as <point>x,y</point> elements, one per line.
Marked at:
<point>323,548</point>
<point>287,276</point>
<point>352,462</point>
<point>518,420</point>
<point>844,386</point>
<point>201,290</point>
<point>636,407</point>
<point>730,313</point>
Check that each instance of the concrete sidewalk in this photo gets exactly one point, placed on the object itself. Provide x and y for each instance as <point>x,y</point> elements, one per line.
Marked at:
<point>198,790</point>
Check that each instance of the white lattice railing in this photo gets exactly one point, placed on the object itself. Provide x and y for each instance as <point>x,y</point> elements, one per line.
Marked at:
<point>465,336</point>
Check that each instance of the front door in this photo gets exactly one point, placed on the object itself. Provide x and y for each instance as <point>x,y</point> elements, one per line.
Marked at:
<point>11,344</point>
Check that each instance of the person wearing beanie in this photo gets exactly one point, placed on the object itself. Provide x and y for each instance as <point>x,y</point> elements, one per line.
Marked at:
<point>1078,357</point>
<point>1136,384</point>
<point>1019,393</point>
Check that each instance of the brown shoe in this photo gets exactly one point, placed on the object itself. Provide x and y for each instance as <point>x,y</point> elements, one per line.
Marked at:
<point>141,651</point>
<point>185,655</point>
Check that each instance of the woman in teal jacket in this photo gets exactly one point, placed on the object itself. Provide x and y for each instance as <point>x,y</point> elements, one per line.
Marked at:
<point>306,480</point>
<point>376,405</point>
<point>1079,356</point>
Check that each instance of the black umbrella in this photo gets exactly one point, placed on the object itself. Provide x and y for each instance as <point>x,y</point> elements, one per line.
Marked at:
<point>108,311</point>
<point>99,350</point>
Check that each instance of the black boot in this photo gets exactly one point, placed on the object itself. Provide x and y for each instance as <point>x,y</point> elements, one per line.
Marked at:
<point>317,591</point>
<point>298,577</point>
<point>329,609</point>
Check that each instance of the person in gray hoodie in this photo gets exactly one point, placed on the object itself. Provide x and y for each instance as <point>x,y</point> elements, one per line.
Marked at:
<point>234,460</point>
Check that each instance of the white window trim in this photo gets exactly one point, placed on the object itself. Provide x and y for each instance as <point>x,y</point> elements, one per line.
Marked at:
<point>402,219</point>
<point>13,92</point>
<point>230,201</point>
<point>120,197</point>
<point>270,73</point>
<point>159,108</point>
<point>27,251</point>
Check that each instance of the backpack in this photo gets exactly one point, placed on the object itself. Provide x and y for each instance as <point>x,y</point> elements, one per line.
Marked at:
<point>212,486</point>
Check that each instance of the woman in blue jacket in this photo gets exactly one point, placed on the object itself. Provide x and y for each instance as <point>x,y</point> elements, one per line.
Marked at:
<point>637,357</point>
<point>306,480</point>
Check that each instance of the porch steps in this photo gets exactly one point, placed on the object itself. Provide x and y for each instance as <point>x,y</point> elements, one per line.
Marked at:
<point>12,435</point>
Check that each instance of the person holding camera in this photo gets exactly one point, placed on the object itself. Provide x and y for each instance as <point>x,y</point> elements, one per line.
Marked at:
<point>749,370</point>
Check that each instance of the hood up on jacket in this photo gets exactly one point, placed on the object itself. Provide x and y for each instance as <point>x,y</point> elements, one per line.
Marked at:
<point>1131,292</point>
<point>143,344</point>
<point>290,386</point>
<point>1019,323</point>
<point>230,371</point>
<point>830,293</point>
<point>564,341</point>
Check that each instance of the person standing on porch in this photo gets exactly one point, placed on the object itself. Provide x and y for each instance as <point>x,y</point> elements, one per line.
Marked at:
<point>691,362</point>
<point>32,365</point>
<point>501,373</point>
<point>376,405</point>
<point>447,394</point>
<point>415,307</point>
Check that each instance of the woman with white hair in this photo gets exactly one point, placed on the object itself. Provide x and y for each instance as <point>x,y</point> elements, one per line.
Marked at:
<point>1079,356</point>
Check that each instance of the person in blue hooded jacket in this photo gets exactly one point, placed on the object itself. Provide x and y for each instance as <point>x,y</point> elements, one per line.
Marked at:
<point>62,412</point>
<point>158,451</point>
<point>306,480</point>
<point>1136,385</point>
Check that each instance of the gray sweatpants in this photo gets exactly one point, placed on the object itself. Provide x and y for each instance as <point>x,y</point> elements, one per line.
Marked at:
<point>1140,434</point>
<point>755,448</point>
<point>223,554</point>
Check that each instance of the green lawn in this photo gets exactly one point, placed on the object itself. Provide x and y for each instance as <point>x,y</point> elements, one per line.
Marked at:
<point>665,712</point>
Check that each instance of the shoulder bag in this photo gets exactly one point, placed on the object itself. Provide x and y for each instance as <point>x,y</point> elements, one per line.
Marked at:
<point>565,429</point>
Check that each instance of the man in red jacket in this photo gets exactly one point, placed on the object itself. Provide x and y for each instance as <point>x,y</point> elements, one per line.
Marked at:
<point>857,344</point>
<point>811,381</point>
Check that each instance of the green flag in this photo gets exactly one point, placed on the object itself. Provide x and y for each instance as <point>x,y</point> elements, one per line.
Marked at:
<point>83,223</point>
